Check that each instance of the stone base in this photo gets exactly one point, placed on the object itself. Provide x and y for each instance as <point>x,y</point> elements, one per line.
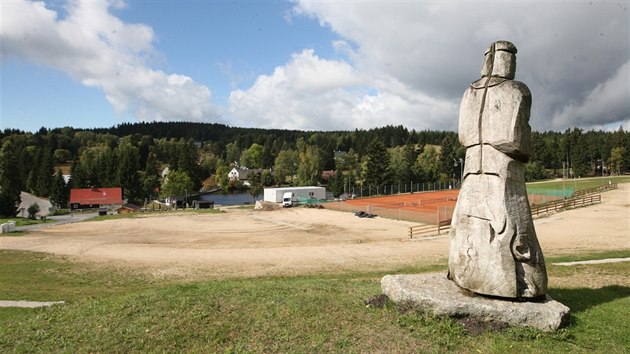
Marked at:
<point>434,293</point>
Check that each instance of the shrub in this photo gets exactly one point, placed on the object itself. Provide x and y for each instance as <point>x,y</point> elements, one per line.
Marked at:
<point>33,210</point>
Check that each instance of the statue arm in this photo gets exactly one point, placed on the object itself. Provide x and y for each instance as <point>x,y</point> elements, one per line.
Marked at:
<point>518,146</point>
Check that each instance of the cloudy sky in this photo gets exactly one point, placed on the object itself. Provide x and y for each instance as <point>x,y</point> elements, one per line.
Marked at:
<point>333,65</point>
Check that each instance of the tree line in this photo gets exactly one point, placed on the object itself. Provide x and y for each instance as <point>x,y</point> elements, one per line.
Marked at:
<point>199,157</point>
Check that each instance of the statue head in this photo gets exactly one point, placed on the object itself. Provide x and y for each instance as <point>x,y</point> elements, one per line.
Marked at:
<point>500,60</point>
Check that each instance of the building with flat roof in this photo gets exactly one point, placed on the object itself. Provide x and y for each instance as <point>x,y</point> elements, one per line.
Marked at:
<point>274,195</point>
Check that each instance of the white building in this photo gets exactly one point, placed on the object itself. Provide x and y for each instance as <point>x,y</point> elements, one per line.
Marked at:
<point>274,195</point>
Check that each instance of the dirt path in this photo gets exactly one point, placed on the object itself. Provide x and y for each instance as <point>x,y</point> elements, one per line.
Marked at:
<point>29,304</point>
<point>297,241</point>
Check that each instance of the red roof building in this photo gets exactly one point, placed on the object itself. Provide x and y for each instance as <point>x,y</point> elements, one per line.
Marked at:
<point>95,197</point>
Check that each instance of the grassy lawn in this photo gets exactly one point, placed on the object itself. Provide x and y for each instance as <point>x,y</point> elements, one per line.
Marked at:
<point>114,310</point>
<point>571,185</point>
<point>24,221</point>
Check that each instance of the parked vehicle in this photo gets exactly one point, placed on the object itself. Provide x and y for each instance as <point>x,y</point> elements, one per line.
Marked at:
<point>289,199</point>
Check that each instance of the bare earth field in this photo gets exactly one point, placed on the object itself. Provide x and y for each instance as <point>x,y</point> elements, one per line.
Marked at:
<point>297,241</point>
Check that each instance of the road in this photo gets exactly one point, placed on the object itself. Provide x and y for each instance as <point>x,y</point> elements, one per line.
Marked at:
<point>58,220</point>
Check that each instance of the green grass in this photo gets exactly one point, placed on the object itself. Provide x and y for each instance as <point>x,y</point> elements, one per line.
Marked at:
<point>571,185</point>
<point>112,310</point>
<point>25,221</point>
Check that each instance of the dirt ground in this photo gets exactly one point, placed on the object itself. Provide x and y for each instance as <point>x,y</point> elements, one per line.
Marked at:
<point>297,241</point>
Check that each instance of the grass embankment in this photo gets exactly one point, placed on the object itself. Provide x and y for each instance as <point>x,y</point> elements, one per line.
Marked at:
<point>25,221</point>
<point>575,184</point>
<point>111,310</point>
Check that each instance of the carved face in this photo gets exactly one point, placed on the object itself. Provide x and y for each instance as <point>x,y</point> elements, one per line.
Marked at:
<point>499,63</point>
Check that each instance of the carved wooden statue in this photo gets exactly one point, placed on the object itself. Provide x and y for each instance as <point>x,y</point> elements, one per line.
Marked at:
<point>494,249</point>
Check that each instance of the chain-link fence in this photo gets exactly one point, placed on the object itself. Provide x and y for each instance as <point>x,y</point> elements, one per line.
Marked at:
<point>400,188</point>
<point>419,213</point>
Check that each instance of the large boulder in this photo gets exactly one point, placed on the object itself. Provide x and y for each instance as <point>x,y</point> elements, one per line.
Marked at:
<point>434,293</point>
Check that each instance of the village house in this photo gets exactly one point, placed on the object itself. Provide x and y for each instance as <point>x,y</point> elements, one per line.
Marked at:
<point>243,174</point>
<point>82,198</point>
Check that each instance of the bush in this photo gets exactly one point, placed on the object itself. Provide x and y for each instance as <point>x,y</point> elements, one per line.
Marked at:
<point>33,210</point>
<point>534,171</point>
<point>61,212</point>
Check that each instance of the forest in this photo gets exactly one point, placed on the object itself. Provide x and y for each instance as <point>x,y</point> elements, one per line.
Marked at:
<point>199,157</point>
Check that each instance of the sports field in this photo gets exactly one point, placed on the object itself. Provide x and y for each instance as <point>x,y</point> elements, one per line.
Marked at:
<point>432,207</point>
<point>425,207</point>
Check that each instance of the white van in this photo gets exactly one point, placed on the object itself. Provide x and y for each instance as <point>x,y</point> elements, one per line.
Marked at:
<point>288,199</point>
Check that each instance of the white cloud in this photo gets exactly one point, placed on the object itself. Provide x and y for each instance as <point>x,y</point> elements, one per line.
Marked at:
<point>99,50</point>
<point>316,94</point>
<point>434,49</point>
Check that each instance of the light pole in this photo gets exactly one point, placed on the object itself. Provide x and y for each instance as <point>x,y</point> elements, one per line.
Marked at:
<point>459,162</point>
<point>600,164</point>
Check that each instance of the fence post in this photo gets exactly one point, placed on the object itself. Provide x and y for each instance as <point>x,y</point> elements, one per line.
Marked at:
<point>438,220</point>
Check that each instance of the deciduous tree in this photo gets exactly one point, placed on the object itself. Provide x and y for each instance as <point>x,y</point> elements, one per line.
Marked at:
<point>285,165</point>
<point>252,157</point>
<point>177,183</point>
<point>309,170</point>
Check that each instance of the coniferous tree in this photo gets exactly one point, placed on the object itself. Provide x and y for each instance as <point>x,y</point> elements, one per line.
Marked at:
<point>128,163</point>
<point>78,176</point>
<point>151,178</point>
<point>58,191</point>
<point>32,181</point>
<point>376,161</point>
<point>448,156</point>
<point>580,161</point>
<point>188,161</point>
<point>45,175</point>
<point>9,181</point>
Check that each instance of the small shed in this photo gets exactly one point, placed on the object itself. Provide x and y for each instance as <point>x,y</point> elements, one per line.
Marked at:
<point>203,204</point>
<point>128,208</point>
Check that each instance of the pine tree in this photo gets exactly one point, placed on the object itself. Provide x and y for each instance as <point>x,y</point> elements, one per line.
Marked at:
<point>9,181</point>
<point>128,163</point>
<point>376,161</point>
<point>45,175</point>
<point>188,161</point>
<point>447,156</point>
<point>59,191</point>
<point>151,178</point>
<point>580,161</point>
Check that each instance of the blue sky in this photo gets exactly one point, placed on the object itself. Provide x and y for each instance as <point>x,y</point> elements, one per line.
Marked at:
<point>304,65</point>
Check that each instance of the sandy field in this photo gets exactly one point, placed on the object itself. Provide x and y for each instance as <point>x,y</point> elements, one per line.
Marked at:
<point>297,240</point>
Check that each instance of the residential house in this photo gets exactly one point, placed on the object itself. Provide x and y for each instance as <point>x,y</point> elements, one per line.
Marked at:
<point>81,198</point>
<point>243,174</point>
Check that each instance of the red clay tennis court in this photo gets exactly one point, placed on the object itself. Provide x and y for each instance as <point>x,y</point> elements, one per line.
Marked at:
<point>425,207</point>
